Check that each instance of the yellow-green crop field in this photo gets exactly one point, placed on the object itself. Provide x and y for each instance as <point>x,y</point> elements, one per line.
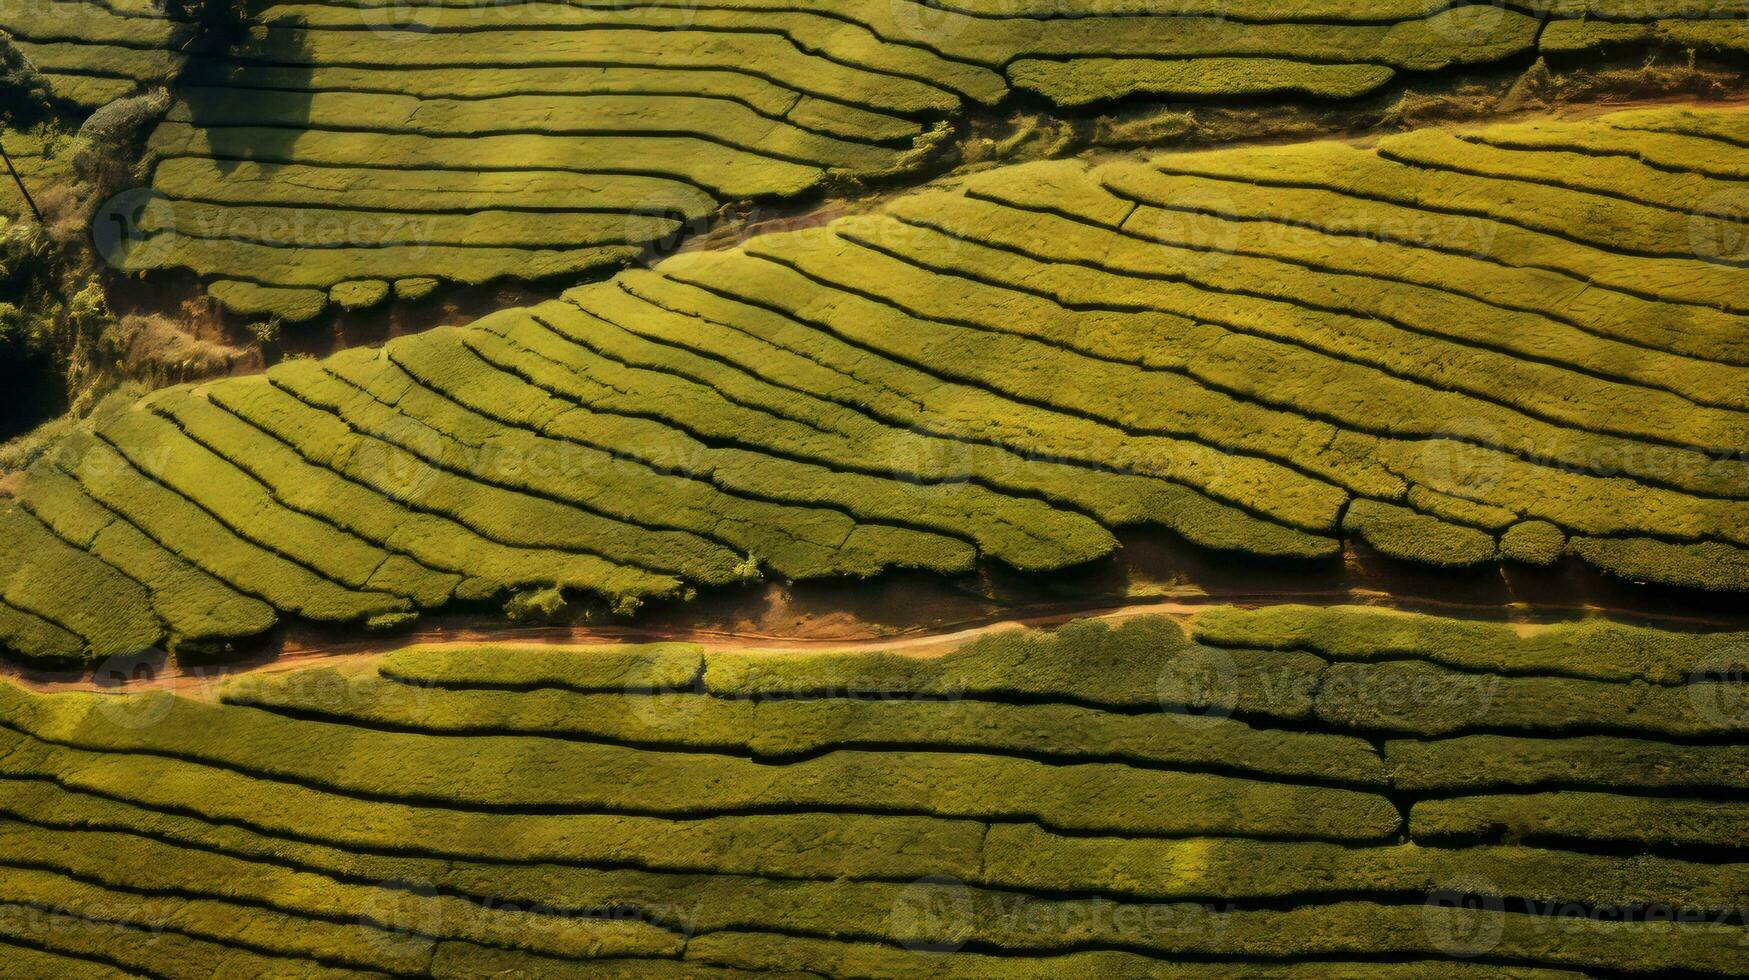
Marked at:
<point>980,489</point>
<point>348,152</point>
<point>1283,792</point>
<point>1497,345</point>
<point>96,51</point>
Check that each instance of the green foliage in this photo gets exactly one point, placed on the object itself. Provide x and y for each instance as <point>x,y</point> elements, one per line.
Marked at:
<point>1403,533</point>
<point>1709,565</point>
<point>1591,817</point>
<point>859,92</point>
<point>192,604</point>
<point>266,331</point>
<point>535,604</point>
<point>1533,542</point>
<point>594,777</point>
<point>1241,346</point>
<point>359,294</point>
<point>1481,762</point>
<point>642,811</point>
<point>24,93</point>
<point>1085,80</point>
<point>745,702</point>
<point>1596,649</point>
<point>109,136</point>
<point>58,584</point>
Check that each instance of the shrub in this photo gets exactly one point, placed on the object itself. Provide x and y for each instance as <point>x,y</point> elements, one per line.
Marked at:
<point>24,93</point>
<point>1533,542</point>
<point>535,604</point>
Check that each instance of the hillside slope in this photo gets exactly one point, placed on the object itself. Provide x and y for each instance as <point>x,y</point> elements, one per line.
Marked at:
<point>1513,343</point>
<point>348,152</point>
<point>1299,793</point>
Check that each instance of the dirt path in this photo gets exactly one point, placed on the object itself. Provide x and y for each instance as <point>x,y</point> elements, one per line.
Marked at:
<point>156,671</point>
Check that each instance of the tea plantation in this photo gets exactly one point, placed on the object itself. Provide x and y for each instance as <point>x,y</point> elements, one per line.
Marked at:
<point>349,152</point>
<point>1299,792</point>
<point>1514,344</point>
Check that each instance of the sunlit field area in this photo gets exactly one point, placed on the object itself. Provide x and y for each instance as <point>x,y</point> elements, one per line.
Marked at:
<point>874,488</point>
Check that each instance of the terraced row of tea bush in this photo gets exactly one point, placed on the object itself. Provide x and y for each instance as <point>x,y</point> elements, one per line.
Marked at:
<point>1509,344</point>
<point>1305,792</point>
<point>353,151</point>
<point>93,52</point>
<point>44,159</point>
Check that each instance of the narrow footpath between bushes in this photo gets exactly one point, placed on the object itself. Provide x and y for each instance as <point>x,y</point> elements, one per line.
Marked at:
<point>153,670</point>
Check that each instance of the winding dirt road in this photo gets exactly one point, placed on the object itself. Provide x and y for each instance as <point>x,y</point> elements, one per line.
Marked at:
<point>154,670</point>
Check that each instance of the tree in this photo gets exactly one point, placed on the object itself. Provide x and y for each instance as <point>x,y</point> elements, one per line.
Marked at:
<point>24,92</point>
<point>211,25</point>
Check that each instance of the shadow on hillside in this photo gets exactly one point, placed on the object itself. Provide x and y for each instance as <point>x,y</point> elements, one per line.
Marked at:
<point>253,101</point>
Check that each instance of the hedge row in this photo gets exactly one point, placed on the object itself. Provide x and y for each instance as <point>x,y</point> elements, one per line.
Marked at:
<point>960,431</point>
<point>1597,649</point>
<point>1011,370</point>
<point>1404,330</point>
<point>94,53</point>
<point>735,100</point>
<point>1018,692</point>
<point>591,777</point>
<point>515,827</point>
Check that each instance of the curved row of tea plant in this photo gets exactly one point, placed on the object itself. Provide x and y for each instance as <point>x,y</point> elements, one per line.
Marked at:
<point>1303,791</point>
<point>352,150</point>
<point>93,52</point>
<point>1515,343</point>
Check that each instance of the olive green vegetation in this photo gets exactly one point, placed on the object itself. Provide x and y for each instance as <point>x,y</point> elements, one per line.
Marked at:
<point>81,85</point>
<point>1584,818</point>
<point>650,112</point>
<point>1533,542</point>
<point>1433,346</point>
<point>591,776</point>
<point>1093,79</point>
<point>1592,649</point>
<point>1474,761</point>
<point>94,53</point>
<point>1106,796</point>
<point>1404,533</point>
